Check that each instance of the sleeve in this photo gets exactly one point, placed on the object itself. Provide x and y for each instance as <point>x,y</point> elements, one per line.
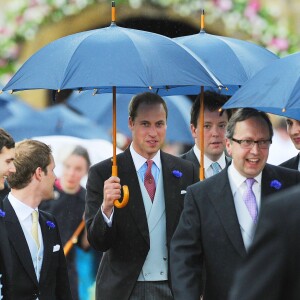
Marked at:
<point>99,234</point>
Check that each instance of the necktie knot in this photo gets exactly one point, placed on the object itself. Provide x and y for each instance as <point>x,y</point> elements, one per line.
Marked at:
<point>250,199</point>
<point>216,168</point>
<point>149,181</point>
<point>250,182</point>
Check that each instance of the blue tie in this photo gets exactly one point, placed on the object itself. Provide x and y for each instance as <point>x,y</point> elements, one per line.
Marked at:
<point>216,168</point>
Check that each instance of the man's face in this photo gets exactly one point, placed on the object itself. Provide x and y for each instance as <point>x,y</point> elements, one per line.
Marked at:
<point>249,162</point>
<point>214,133</point>
<point>148,129</point>
<point>74,168</point>
<point>48,181</point>
<point>293,130</point>
<point>7,166</point>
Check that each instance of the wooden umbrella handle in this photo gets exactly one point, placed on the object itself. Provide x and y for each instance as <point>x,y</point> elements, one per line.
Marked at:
<point>114,170</point>
<point>74,238</point>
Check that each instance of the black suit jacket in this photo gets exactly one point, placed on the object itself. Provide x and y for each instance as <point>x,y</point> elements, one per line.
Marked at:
<point>126,243</point>
<point>54,282</point>
<point>272,268</point>
<point>209,233</point>
<point>291,163</point>
<point>190,155</point>
<point>5,258</point>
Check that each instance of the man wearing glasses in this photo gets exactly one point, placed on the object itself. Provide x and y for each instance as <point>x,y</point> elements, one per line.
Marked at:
<point>220,213</point>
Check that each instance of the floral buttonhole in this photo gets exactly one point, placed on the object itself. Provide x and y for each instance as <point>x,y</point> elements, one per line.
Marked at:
<point>177,173</point>
<point>50,224</point>
<point>2,213</point>
<point>276,184</point>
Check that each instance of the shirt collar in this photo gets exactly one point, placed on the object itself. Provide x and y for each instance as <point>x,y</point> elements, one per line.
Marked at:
<point>22,210</point>
<point>236,179</point>
<point>139,160</point>
<point>207,162</point>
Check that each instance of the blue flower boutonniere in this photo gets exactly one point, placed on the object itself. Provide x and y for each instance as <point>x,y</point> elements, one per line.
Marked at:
<point>50,224</point>
<point>276,184</point>
<point>2,213</point>
<point>177,173</point>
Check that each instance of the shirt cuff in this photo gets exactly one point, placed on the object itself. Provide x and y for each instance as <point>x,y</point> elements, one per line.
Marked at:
<point>107,220</point>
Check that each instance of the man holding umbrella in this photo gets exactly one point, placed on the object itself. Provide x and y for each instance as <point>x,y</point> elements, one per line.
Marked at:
<point>136,239</point>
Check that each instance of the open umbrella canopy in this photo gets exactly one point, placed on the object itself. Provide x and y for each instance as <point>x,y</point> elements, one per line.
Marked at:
<point>56,120</point>
<point>11,106</point>
<point>275,89</point>
<point>99,109</point>
<point>232,61</point>
<point>112,56</point>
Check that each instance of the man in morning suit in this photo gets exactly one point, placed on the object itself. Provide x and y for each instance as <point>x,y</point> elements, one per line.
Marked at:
<point>136,238</point>
<point>218,221</point>
<point>7,155</point>
<point>37,260</point>
<point>272,266</point>
<point>293,129</point>
<point>214,134</point>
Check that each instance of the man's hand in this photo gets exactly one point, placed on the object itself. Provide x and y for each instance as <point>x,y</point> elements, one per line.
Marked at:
<point>112,192</point>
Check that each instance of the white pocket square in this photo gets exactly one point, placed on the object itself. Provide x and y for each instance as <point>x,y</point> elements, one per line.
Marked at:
<point>56,248</point>
<point>183,192</point>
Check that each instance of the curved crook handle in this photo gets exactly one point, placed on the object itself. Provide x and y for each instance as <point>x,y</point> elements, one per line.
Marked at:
<point>123,203</point>
<point>125,199</point>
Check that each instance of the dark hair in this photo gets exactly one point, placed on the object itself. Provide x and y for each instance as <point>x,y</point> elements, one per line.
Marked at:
<point>81,151</point>
<point>243,114</point>
<point>146,98</point>
<point>30,155</point>
<point>6,140</point>
<point>212,101</point>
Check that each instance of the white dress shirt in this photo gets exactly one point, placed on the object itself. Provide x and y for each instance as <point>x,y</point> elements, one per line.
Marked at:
<point>207,162</point>
<point>23,213</point>
<point>238,188</point>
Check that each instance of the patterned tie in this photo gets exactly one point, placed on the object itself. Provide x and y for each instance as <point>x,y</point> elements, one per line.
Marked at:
<point>149,181</point>
<point>250,199</point>
<point>34,228</point>
<point>216,168</point>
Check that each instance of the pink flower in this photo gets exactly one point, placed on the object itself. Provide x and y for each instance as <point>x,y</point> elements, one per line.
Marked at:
<point>281,44</point>
<point>224,5</point>
<point>252,9</point>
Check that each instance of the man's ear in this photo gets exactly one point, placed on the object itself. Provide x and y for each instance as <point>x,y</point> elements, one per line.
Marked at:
<point>228,146</point>
<point>193,131</point>
<point>38,173</point>
<point>130,123</point>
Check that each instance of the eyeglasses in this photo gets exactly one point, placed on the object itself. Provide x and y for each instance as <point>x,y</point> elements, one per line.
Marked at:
<point>248,144</point>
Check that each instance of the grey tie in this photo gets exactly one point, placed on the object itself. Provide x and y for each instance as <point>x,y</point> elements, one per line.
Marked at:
<point>216,168</point>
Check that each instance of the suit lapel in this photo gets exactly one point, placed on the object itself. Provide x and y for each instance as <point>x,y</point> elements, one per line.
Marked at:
<point>172,189</point>
<point>48,242</point>
<point>223,202</point>
<point>128,176</point>
<point>18,240</point>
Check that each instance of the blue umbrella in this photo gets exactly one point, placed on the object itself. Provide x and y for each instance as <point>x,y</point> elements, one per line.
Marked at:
<point>112,59</point>
<point>99,109</point>
<point>275,89</point>
<point>233,61</point>
<point>56,120</point>
<point>12,106</point>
